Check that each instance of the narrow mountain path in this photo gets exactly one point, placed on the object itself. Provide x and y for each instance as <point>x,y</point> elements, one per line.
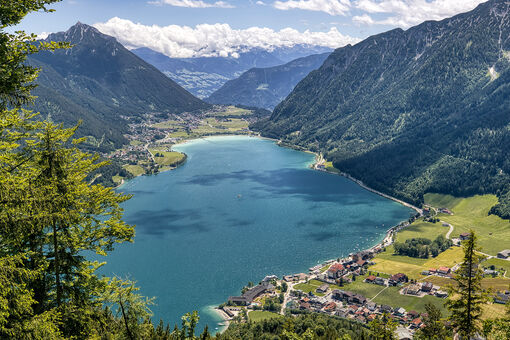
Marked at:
<point>449,231</point>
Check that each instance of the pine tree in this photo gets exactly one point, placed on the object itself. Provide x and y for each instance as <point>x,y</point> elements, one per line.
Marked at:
<point>434,326</point>
<point>467,298</point>
<point>383,328</point>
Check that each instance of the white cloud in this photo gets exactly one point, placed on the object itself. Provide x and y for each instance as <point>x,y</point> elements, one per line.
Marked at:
<point>261,3</point>
<point>364,19</point>
<point>214,40</point>
<point>332,7</point>
<point>43,35</point>
<point>406,13</point>
<point>192,3</point>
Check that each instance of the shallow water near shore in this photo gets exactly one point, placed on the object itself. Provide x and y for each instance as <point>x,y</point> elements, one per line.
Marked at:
<point>240,208</point>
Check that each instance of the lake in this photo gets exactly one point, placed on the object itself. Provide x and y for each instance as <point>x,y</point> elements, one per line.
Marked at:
<point>239,209</point>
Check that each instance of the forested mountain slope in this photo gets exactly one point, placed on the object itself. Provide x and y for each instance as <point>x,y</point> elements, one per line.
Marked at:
<point>266,87</point>
<point>409,112</point>
<point>99,81</point>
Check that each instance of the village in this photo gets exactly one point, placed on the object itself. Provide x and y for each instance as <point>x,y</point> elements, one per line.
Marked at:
<point>322,290</point>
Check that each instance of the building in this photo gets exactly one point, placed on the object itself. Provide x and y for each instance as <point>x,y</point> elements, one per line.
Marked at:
<point>270,278</point>
<point>427,287</point>
<point>443,270</point>
<point>412,289</point>
<point>398,279</point>
<point>380,281</point>
<point>502,298</point>
<point>464,236</point>
<point>370,279</point>
<point>323,288</point>
<point>251,294</point>
<point>336,271</point>
<point>504,254</point>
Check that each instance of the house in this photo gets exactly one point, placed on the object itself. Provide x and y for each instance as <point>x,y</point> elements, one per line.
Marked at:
<point>380,281</point>
<point>359,299</point>
<point>371,306</point>
<point>443,270</point>
<point>399,311</point>
<point>386,309</point>
<point>413,314</point>
<point>398,279</point>
<point>323,288</point>
<point>305,306</point>
<point>502,297</point>
<point>412,289</point>
<point>490,272</point>
<point>427,287</point>
<point>416,323</point>
<point>504,254</point>
<point>370,279</point>
<point>336,271</point>
<point>330,307</point>
<point>464,236</point>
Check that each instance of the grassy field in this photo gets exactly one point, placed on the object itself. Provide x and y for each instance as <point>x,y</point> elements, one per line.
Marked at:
<point>232,111</point>
<point>388,263</point>
<point>260,315</point>
<point>312,286</point>
<point>135,170</point>
<point>422,229</point>
<point>135,142</point>
<point>496,284</point>
<point>472,213</point>
<point>391,296</point>
<point>501,265</point>
<point>169,158</point>
<point>493,311</point>
<point>329,166</point>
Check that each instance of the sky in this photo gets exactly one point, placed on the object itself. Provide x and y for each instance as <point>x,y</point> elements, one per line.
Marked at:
<point>192,28</point>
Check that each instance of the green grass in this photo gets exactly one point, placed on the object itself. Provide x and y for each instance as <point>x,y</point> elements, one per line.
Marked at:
<point>472,213</point>
<point>496,284</point>
<point>329,166</point>
<point>260,315</point>
<point>135,143</point>
<point>420,228</point>
<point>391,296</point>
<point>392,264</point>
<point>499,264</point>
<point>179,134</point>
<point>135,170</point>
<point>232,111</point>
<point>117,179</point>
<point>170,158</point>
<point>312,286</point>
<point>441,201</point>
<point>323,269</point>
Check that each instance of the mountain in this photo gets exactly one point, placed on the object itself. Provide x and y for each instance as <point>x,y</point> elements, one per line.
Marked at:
<point>415,111</point>
<point>100,81</point>
<point>266,87</point>
<point>204,75</point>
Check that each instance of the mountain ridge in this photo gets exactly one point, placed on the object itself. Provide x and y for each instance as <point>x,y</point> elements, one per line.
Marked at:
<point>266,87</point>
<point>99,81</point>
<point>415,111</point>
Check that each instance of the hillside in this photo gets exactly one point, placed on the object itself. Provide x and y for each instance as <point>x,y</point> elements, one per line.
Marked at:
<point>204,75</point>
<point>416,111</point>
<point>99,81</point>
<point>266,87</point>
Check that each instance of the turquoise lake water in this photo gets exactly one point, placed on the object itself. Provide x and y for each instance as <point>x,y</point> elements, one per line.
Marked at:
<point>240,208</point>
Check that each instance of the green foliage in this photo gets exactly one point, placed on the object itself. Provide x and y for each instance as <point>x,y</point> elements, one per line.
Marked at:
<point>467,296</point>
<point>411,112</point>
<point>422,247</point>
<point>383,328</point>
<point>434,325</point>
<point>306,326</point>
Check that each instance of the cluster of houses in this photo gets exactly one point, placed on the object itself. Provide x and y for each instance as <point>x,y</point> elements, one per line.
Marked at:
<point>441,271</point>
<point>355,306</point>
<point>394,280</point>
<point>423,288</point>
<point>502,297</point>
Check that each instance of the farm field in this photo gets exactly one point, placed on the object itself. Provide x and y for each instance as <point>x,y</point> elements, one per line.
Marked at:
<point>473,213</point>
<point>260,315</point>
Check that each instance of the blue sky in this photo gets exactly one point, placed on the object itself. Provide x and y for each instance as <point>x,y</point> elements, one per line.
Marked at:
<point>176,27</point>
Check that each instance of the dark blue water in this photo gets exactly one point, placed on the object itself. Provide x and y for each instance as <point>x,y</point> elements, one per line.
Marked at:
<point>239,209</point>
